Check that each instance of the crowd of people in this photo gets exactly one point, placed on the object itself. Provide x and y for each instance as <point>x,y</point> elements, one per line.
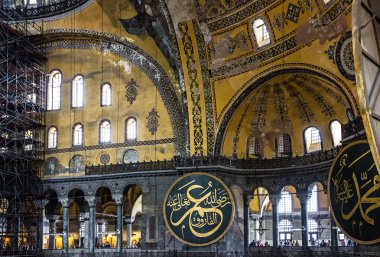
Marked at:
<point>258,243</point>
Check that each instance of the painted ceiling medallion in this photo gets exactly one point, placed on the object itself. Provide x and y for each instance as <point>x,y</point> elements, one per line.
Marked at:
<point>152,121</point>
<point>131,91</point>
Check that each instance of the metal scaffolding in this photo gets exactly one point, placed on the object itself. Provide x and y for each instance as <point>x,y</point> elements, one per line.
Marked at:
<point>22,101</point>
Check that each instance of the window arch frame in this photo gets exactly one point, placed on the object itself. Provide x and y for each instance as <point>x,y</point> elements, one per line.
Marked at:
<point>350,114</point>
<point>101,130</point>
<point>72,159</point>
<point>126,129</point>
<point>130,150</point>
<point>332,135</point>
<point>253,33</point>
<point>257,152</point>
<point>72,92</point>
<point>73,135</point>
<point>56,137</point>
<point>304,139</point>
<point>278,154</point>
<point>50,94</point>
<point>314,193</point>
<point>287,209</point>
<point>102,96</point>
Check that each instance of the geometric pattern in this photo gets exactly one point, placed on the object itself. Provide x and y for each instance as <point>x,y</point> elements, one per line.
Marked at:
<point>202,52</point>
<point>196,110</point>
<point>152,124</point>
<point>293,13</point>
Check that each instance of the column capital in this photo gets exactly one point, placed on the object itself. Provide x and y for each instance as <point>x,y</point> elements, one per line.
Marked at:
<point>118,198</point>
<point>41,203</point>
<point>65,201</point>
<point>274,199</point>
<point>303,197</point>
<point>91,200</point>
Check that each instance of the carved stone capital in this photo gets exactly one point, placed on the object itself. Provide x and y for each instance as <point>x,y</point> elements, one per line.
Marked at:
<point>275,199</point>
<point>65,201</point>
<point>40,204</point>
<point>91,200</point>
<point>118,199</point>
<point>303,197</point>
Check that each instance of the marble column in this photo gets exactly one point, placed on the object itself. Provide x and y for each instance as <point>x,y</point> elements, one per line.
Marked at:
<point>303,198</point>
<point>40,204</point>
<point>66,218</point>
<point>275,199</point>
<point>51,234</point>
<point>334,235</point>
<point>247,200</point>
<point>129,230</point>
<point>119,221</point>
<point>91,200</point>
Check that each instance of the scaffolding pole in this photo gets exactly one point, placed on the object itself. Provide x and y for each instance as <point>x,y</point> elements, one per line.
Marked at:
<point>22,102</point>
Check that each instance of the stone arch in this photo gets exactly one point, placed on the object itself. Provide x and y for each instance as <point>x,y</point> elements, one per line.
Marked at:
<point>262,78</point>
<point>106,42</point>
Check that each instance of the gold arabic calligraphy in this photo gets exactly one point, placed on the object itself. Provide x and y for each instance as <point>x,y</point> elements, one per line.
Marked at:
<point>200,212</point>
<point>348,191</point>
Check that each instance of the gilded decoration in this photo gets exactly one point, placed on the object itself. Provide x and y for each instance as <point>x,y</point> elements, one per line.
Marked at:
<point>344,57</point>
<point>107,42</point>
<point>305,5</point>
<point>279,21</point>
<point>104,158</point>
<point>131,91</point>
<point>353,189</point>
<point>293,13</point>
<point>196,109</point>
<point>202,52</point>
<point>198,209</point>
<point>152,121</point>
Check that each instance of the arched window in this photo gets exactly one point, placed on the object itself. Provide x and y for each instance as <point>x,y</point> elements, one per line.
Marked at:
<point>106,95</point>
<point>77,87</point>
<point>336,132</point>
<point>130,156</point>
<point>283,145</point>
<point>312,203</point>
<point>78,135</point>
<point>130,129</point>
<point>51,166</point>
<point>350,114</point>
<point>52,137</point>
<point>77,164</point>
<point>54,91</point>
<point>105,132</point>
<point>285,204</point>
<point>255,146</point>
<point>312,226</point>
<point>285,229</point>
<point>261,32</point>
<point>313,142</point>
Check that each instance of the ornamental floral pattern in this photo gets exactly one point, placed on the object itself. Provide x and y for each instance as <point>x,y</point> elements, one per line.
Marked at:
<point>131,91</point>
<point>152,123</point>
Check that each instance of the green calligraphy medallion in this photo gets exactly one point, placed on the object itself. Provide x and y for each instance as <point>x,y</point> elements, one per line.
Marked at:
<point>198,209</point>
<point>354,193</point>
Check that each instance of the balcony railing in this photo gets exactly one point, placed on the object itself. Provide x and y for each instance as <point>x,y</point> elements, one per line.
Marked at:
<point>352,128</point>
<point>41,9</point>
<point>205,161</point>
